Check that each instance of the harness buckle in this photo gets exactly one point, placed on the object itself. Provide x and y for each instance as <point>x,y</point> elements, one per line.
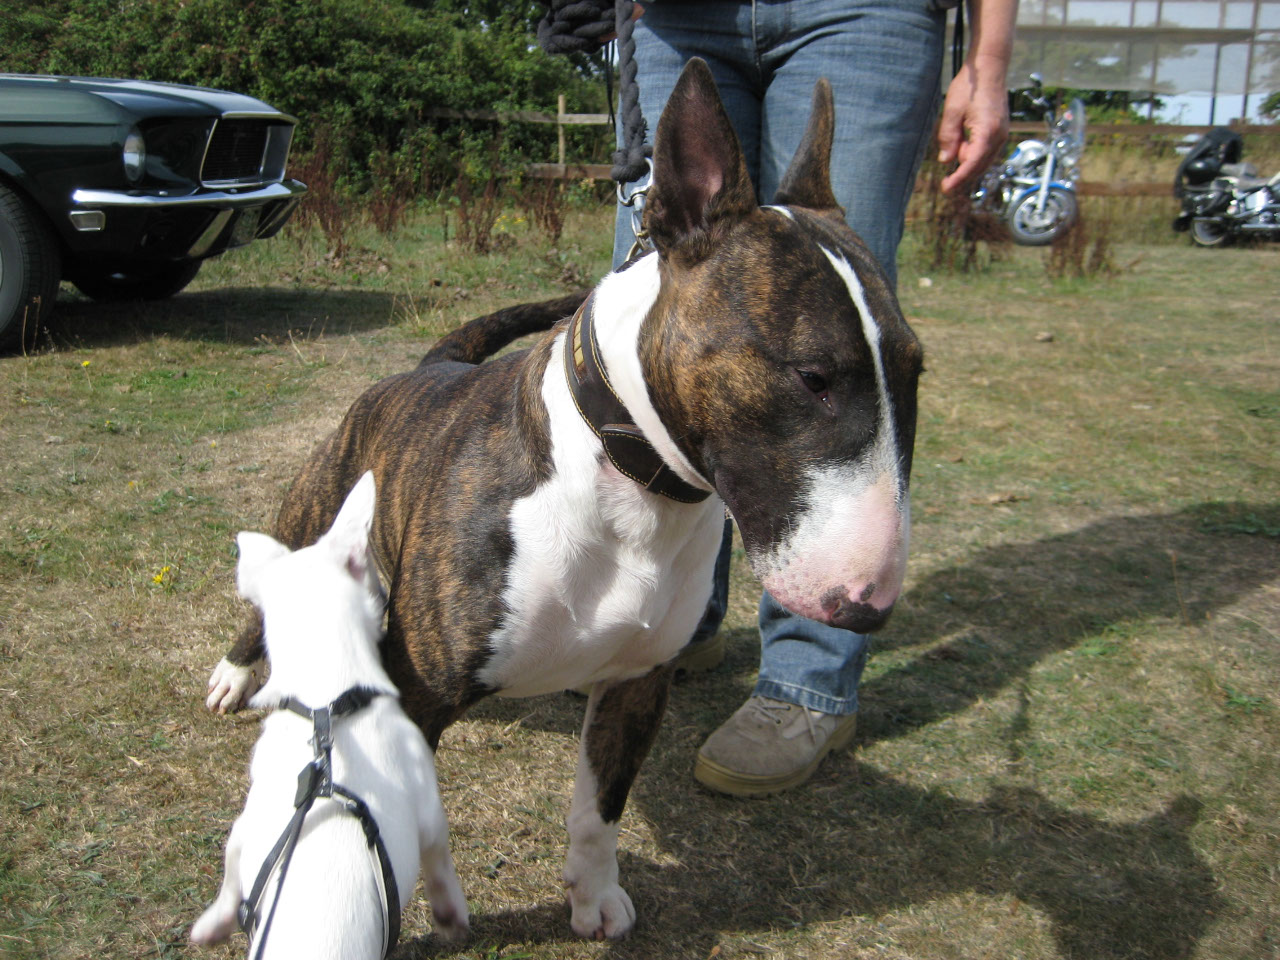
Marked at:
<point>322,739</point>
<point>308,779</point>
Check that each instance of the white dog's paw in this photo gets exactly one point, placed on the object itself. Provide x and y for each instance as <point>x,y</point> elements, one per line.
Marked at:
<point>601,914</point>
<point>216,923</point>
<point>231,686</point>
<point>451,927</point>
<point>440,879</point>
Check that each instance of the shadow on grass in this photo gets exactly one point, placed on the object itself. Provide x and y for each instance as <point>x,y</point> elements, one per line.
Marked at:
<point>863,843</point>
<point>224,315</point>
<point>1011,605</point>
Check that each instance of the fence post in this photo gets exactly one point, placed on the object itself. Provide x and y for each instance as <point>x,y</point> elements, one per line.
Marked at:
<point>560,126</point>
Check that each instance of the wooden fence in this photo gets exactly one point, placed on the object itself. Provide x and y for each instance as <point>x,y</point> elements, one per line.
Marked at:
<point>560,170</point>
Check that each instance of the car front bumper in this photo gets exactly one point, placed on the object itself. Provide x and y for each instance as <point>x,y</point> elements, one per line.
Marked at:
<point>140,225</point>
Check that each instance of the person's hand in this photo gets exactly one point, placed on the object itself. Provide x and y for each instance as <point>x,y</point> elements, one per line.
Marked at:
<point>975,123</point>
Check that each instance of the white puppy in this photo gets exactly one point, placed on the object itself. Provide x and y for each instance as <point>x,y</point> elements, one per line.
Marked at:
<point>322,609</point>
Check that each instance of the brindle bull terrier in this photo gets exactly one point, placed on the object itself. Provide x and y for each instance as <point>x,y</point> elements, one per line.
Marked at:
<point>550,518</point>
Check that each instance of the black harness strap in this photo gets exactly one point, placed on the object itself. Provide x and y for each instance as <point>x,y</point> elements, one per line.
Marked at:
<point>624,444</point>
<point>316,780</point>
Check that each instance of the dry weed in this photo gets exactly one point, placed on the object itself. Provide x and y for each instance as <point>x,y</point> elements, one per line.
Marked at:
<point>325,206</point>
<point>543,203</point>
<point>478,214</point>
<point>1083,251</point>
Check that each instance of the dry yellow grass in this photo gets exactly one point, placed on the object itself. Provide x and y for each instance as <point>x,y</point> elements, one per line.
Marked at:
<point>1067,746</point>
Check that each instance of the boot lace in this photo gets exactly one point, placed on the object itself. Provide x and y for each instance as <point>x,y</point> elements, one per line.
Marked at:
<point>774,711</point>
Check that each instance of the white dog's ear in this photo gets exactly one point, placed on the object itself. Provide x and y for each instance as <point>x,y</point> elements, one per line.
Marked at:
<point>348,538</point>
<point>256,551</point>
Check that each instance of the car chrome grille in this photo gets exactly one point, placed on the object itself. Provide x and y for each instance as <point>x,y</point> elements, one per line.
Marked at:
<point>235,152</point>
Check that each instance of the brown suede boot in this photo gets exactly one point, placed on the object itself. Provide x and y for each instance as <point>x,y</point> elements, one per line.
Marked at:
<point>769,745</point>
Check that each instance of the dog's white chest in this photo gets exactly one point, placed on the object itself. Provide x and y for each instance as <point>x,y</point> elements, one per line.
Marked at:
<point>606,581</point>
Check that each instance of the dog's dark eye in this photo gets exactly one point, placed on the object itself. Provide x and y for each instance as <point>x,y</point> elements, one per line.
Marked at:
<point>816,384</point>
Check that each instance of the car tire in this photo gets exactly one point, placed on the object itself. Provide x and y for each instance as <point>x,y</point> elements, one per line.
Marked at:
<point>30,268</point>
<point>1059,214</point>
<point>149,282</point>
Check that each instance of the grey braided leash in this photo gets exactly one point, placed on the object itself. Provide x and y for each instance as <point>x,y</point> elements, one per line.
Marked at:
<point>578,26</point>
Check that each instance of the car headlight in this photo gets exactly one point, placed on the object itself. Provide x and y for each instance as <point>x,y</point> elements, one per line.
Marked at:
<point>135,155</point>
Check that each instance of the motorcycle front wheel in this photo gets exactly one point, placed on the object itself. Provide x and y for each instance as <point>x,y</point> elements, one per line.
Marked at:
<point>1208,233</point>
<point>1032,228</point>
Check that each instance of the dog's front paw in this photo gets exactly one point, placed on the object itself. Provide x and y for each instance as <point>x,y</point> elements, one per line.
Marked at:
<point>601,914</point>
<point>231,686</point>
<point>215,924</point>
<point>451,927</point>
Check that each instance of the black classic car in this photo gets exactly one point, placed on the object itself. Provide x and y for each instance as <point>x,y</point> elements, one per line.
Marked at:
<point>124,187</point>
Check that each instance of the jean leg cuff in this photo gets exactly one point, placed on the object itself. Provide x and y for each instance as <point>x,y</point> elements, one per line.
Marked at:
<point>803,696</point>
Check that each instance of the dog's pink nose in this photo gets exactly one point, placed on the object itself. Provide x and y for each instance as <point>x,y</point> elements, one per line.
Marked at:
<point>851,572</point>
<point>859,605</point>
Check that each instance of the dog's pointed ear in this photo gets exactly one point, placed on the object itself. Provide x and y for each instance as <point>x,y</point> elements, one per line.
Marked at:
<point>807,182</point>
<point>348,538</point>
<point>257,550</point>
<point>700,181</point>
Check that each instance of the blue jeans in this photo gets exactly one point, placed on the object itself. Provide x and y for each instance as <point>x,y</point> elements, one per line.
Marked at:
<point>883,59</point>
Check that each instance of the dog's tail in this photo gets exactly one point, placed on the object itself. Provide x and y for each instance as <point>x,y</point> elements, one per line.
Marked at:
<point>484,336</point>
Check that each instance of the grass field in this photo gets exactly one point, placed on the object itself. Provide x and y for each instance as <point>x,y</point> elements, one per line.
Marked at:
<point>1068,743</point>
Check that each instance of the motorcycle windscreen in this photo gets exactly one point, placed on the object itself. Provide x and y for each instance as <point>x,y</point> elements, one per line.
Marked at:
<point>1073,131</point>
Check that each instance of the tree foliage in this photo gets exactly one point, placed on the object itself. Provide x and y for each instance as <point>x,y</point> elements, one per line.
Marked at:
<point>366,73</point>
<point>1270,108</point>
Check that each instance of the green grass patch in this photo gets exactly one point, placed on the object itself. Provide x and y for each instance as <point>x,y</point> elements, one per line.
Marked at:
<point>1066,745</point>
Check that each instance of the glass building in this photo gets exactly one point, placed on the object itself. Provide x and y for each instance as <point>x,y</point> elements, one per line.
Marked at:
<point>1227,51</point>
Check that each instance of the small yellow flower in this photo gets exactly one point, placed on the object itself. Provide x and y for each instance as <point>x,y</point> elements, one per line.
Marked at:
<point>132,484</point>
<point>84,363</point>
<point>213,443</point>
<point>159,577</point>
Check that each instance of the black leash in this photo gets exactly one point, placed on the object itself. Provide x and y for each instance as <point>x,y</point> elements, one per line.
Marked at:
<point>577,26</point>
<point>631,163</point>
<point>315,780</point>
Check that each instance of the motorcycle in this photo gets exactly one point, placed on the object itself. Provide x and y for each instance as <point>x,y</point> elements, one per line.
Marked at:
<point>1034,190</point>
<point>1222,198</point>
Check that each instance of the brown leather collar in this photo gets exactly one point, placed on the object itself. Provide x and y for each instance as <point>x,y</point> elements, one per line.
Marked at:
<point>624,443</point>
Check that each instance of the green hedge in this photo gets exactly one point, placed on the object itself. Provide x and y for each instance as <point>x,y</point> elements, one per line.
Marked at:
<point>361,72</point>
